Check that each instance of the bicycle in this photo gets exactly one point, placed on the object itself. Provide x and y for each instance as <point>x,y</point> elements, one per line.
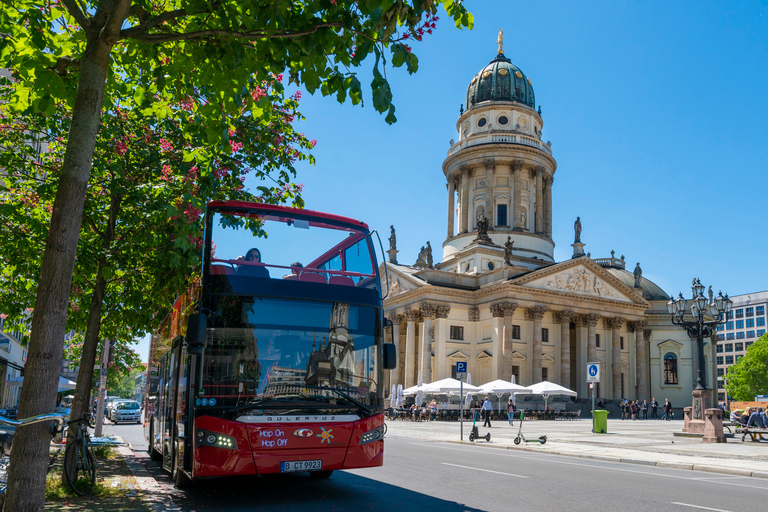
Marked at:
<point>5,457</point>
<point>80,472</point>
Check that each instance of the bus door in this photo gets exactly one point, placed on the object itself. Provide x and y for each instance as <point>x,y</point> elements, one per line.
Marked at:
<point>175,406</point>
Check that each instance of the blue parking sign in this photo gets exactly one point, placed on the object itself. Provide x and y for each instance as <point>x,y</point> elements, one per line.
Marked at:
<point>461,367</point>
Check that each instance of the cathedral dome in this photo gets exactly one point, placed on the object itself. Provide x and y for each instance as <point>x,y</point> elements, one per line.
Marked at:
<point>500,80</point>
<point>651,291</point>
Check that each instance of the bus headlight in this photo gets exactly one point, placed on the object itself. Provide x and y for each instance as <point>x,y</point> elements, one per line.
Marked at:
<point>207,438</point>
<point>372,435</point>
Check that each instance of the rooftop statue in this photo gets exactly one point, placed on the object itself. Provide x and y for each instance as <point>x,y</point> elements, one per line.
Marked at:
<point>577,230</point>
<point>392,239</point>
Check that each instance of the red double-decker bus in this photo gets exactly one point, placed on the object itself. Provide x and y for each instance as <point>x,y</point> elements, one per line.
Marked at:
<point>274,361</point>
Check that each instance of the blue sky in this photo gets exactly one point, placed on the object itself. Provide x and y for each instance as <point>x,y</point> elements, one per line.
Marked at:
<point>656,113</point>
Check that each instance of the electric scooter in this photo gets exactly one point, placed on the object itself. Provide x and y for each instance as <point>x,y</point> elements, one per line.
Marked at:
<point>521,437</point>
<point>475,434</point>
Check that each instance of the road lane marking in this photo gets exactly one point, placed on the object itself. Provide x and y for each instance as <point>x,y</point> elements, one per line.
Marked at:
<point>699,506</point>
<point>484,470</point>
<point>559,461</point>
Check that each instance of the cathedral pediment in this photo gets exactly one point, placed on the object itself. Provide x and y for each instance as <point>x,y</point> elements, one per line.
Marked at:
<point>580,277</point>
<point>401,279</point>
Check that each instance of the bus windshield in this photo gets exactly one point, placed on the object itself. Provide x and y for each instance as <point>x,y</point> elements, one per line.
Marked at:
<point>280,356</point>
<point>272,245</point>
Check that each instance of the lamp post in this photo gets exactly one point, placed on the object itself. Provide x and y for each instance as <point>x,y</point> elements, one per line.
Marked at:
<point>718,308</point>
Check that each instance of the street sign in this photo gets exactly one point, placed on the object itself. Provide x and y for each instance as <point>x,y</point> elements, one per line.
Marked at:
<point>593,372</point>
<point>461,370</point>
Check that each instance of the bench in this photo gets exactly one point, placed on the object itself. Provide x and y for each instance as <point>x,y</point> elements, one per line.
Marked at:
<point>751,431</point>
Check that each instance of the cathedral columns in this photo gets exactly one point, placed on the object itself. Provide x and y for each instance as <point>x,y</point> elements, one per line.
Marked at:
<point>591,321</point>
<point>538,173</point>
<point>564,317</point>
<point>641,360</point>
<point>441,339</point>
<point>394,378</point>
<point>508,309</point>
<point>410,348</point>
<point>427,312</point>
<point>490,165</point>
<point>536,314</point>
<point>497,338</point>
<point>615,325</point>
<point>517,212</point>
<point>451,206</point>
<point>548,206</point>
<point>466,174</point>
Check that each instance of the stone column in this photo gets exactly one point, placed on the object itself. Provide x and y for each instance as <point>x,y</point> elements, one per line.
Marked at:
<point>427,312</point>
<point>615,326</point>
<point>536,314</point>
<point>466,174</point>
<point>395,378</point>
<point>538,173</point>
<point>591,321</point>
<point>497,338</point>
<point>490,166</point>
<point>451,206</point>
<point>564,317</point>
<point>548,205</point>
<point>579,321</point>
<point>641,360</point>
<point>410,348</point>
<point>517,221</point>
<point>508,309</point>
<point>441,339</point>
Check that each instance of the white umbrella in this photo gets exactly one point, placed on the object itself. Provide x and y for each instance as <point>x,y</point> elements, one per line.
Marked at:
<point>500,387</point>
<point>449,386</point>
<point>399,395</point>
<point>547,389</point>
<point>469,378</point>
<point>64,384</point>
<point>393,397</point>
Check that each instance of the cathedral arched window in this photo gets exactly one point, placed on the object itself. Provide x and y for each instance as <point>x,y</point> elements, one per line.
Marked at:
<point>670,368</point>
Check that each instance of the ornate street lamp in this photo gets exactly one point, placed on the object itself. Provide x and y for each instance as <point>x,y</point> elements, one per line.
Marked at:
<point>718,309</point>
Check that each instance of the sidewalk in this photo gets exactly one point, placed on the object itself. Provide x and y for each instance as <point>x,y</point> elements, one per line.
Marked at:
<point>648,442</point>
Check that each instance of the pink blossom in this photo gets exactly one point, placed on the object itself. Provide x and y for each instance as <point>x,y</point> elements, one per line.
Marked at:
<point>165,145</point>
<point>121,147</point>
<point>236,146</point>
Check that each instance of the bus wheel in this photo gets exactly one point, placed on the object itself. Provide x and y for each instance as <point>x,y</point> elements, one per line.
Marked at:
<point>321,474</point>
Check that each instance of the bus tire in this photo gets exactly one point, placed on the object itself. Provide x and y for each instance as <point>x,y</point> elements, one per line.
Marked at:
<point>321,475</point>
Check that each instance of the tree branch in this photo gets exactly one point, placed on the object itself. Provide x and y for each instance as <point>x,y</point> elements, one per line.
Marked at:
<point>201,34</point>
<point>74,9</point>
<point>143,28</point>
<point>62,63</point>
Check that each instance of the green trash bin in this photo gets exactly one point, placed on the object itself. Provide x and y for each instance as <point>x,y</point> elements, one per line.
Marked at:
<point>600,421</point>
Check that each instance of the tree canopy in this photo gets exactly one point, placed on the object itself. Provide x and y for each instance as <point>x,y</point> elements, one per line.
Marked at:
<point>748,377</point>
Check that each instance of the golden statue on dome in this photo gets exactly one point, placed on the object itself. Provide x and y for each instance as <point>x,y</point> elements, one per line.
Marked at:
<point>500,41</point>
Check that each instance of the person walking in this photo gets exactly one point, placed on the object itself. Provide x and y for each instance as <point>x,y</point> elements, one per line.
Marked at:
<point>645,409</point>
<point>511,411</point>
<point>487,408</point>
<point>667,409</point>
<point>654,409</point>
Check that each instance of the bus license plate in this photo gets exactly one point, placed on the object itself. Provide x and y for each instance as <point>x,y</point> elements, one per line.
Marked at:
<point>301,465</point>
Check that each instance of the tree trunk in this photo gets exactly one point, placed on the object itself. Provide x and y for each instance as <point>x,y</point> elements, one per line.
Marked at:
<point>91,341</point>
<point>28,468</point>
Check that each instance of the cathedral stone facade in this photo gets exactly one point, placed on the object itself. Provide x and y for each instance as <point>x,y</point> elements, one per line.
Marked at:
<point>499,301</point>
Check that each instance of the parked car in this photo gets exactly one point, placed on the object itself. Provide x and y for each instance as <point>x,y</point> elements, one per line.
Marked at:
<point>109,405</point>
<point>126,410</point>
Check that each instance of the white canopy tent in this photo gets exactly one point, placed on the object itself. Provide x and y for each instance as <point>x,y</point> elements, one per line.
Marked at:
<point>501,387</point>
<point>547,389</point>
<point>64,384</point>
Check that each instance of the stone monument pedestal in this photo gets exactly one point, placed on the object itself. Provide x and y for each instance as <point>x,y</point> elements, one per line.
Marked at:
<point>392,253</point>
<point>578,249</point>
<point>713,426</point>
<point>694,421</point>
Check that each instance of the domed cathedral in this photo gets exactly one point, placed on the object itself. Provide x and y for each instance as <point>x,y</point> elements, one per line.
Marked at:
<point>498,300</point>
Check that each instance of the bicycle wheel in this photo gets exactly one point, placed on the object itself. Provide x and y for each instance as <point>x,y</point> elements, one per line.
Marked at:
<point>82,474</point>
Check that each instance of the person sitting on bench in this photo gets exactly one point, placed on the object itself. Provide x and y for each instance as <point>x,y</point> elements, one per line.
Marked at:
<point>252,270</point>
<point>757,419</point>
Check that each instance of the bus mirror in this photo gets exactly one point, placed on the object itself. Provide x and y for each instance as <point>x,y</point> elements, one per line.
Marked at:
<point>197,333</point>
<point>390,356</point>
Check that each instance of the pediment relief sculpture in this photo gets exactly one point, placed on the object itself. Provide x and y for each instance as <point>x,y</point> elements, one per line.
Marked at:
<point>580,280</point>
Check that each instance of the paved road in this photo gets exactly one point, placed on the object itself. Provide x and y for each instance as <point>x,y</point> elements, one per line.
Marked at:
<point>423,475</point>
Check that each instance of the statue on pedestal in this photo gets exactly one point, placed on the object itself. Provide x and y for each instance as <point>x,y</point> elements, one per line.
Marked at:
<point>508,251</point>
<point>425,257</point>
<point>392,239</point>
<point>429,255</point>
<point>577,229</point>
<point>638,273</point>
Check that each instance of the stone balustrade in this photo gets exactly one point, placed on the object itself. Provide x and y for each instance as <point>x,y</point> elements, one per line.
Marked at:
<point>500,138</point>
